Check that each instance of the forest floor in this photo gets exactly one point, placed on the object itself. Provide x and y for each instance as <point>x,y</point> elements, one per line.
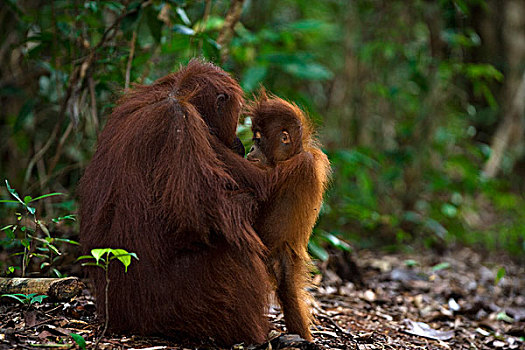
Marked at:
<point>426,301</point>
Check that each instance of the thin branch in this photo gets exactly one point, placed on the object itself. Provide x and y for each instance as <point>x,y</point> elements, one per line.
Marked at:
<point>39,155</point>
<point>106,307</point>
<point>232,18</point>
<point>338,328</point>
<point>155,52</point>
<point>94,116</point>
<point>130,59</point>
<point>508,128</point>
<point>202,26</point>
<point>56,174</point>
<point>60,146</point>
<point>41,169</point>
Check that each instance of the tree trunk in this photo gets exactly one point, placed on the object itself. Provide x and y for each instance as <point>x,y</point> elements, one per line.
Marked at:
<point>509,134</point>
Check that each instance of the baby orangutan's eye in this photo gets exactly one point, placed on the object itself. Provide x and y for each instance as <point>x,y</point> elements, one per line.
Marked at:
<point>285,137</point>
<point>257,135</point>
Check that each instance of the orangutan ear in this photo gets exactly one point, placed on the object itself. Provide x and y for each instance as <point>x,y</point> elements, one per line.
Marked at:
<point>221,100</point>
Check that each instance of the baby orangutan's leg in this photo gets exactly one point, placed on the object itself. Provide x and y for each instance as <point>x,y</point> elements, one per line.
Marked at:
<point>292,276</point>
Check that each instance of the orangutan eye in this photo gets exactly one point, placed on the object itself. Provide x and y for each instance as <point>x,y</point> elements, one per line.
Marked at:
<point>257,135</point>
<point>285,137</point>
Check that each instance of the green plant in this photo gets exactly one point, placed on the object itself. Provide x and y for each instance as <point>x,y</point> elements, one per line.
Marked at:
<point>33,234</point>
<point>499,275</point>
<point>441,266</point>
<point>102,258</point>
<point>81,342</point>
<point>320,238</point>
<point>26,299</point>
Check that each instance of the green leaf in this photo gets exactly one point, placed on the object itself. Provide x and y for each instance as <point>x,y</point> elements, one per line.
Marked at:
<point>411,263</point>
<point>20,297</point>
<point>58,273</point>
<point>449,210</point>
<point>92,5</point>
<point>54,249</point>
<point>183,16</point>
<point>8,201</point>
<point>500,274</point>
<point>94,264</point>
<point>213,23</point>
<point>13,192</point>
<point>213,43</point>
<point>26,243</point>
<point>98,252</point>
<point>46,195</point>
<point>482,70</point>
<point>40,256</point>
<point>65,217</point>
<point>336,242</point>
<point>81,342</point>
<point>317,251</point>
<point>441,266</point>
<point>502,316</point>
<point>85,257</point>
<point>65,240</point>
<point>124,257</point>
<point>179,28</point>
<point>10,233</point>
<point>37,299</point>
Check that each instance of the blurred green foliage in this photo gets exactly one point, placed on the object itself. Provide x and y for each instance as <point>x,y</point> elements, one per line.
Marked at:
<point>405,111</point>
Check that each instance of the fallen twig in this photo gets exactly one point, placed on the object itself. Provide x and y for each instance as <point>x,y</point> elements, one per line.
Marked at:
<point>55,288</point>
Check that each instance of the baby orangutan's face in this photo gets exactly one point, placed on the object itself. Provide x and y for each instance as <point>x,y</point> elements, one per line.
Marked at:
<point>267,150</point>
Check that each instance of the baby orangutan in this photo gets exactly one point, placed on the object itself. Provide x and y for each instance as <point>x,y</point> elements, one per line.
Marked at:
<point>285,145</point>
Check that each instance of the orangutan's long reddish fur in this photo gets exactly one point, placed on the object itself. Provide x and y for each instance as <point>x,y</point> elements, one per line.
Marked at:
<point>286,220</point>
<point>164,184</point>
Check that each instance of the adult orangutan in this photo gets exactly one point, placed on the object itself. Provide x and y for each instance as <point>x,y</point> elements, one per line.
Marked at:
<point>160,184</point>
<point>285,145</point>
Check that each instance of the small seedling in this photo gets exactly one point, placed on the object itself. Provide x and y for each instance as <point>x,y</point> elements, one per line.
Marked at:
<point>102,258</point>
<point>26,299</point>
<point>501,273</point>
<point>11,269</point>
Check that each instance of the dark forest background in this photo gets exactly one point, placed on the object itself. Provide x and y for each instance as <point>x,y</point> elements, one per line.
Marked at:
<point>419,104</point>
